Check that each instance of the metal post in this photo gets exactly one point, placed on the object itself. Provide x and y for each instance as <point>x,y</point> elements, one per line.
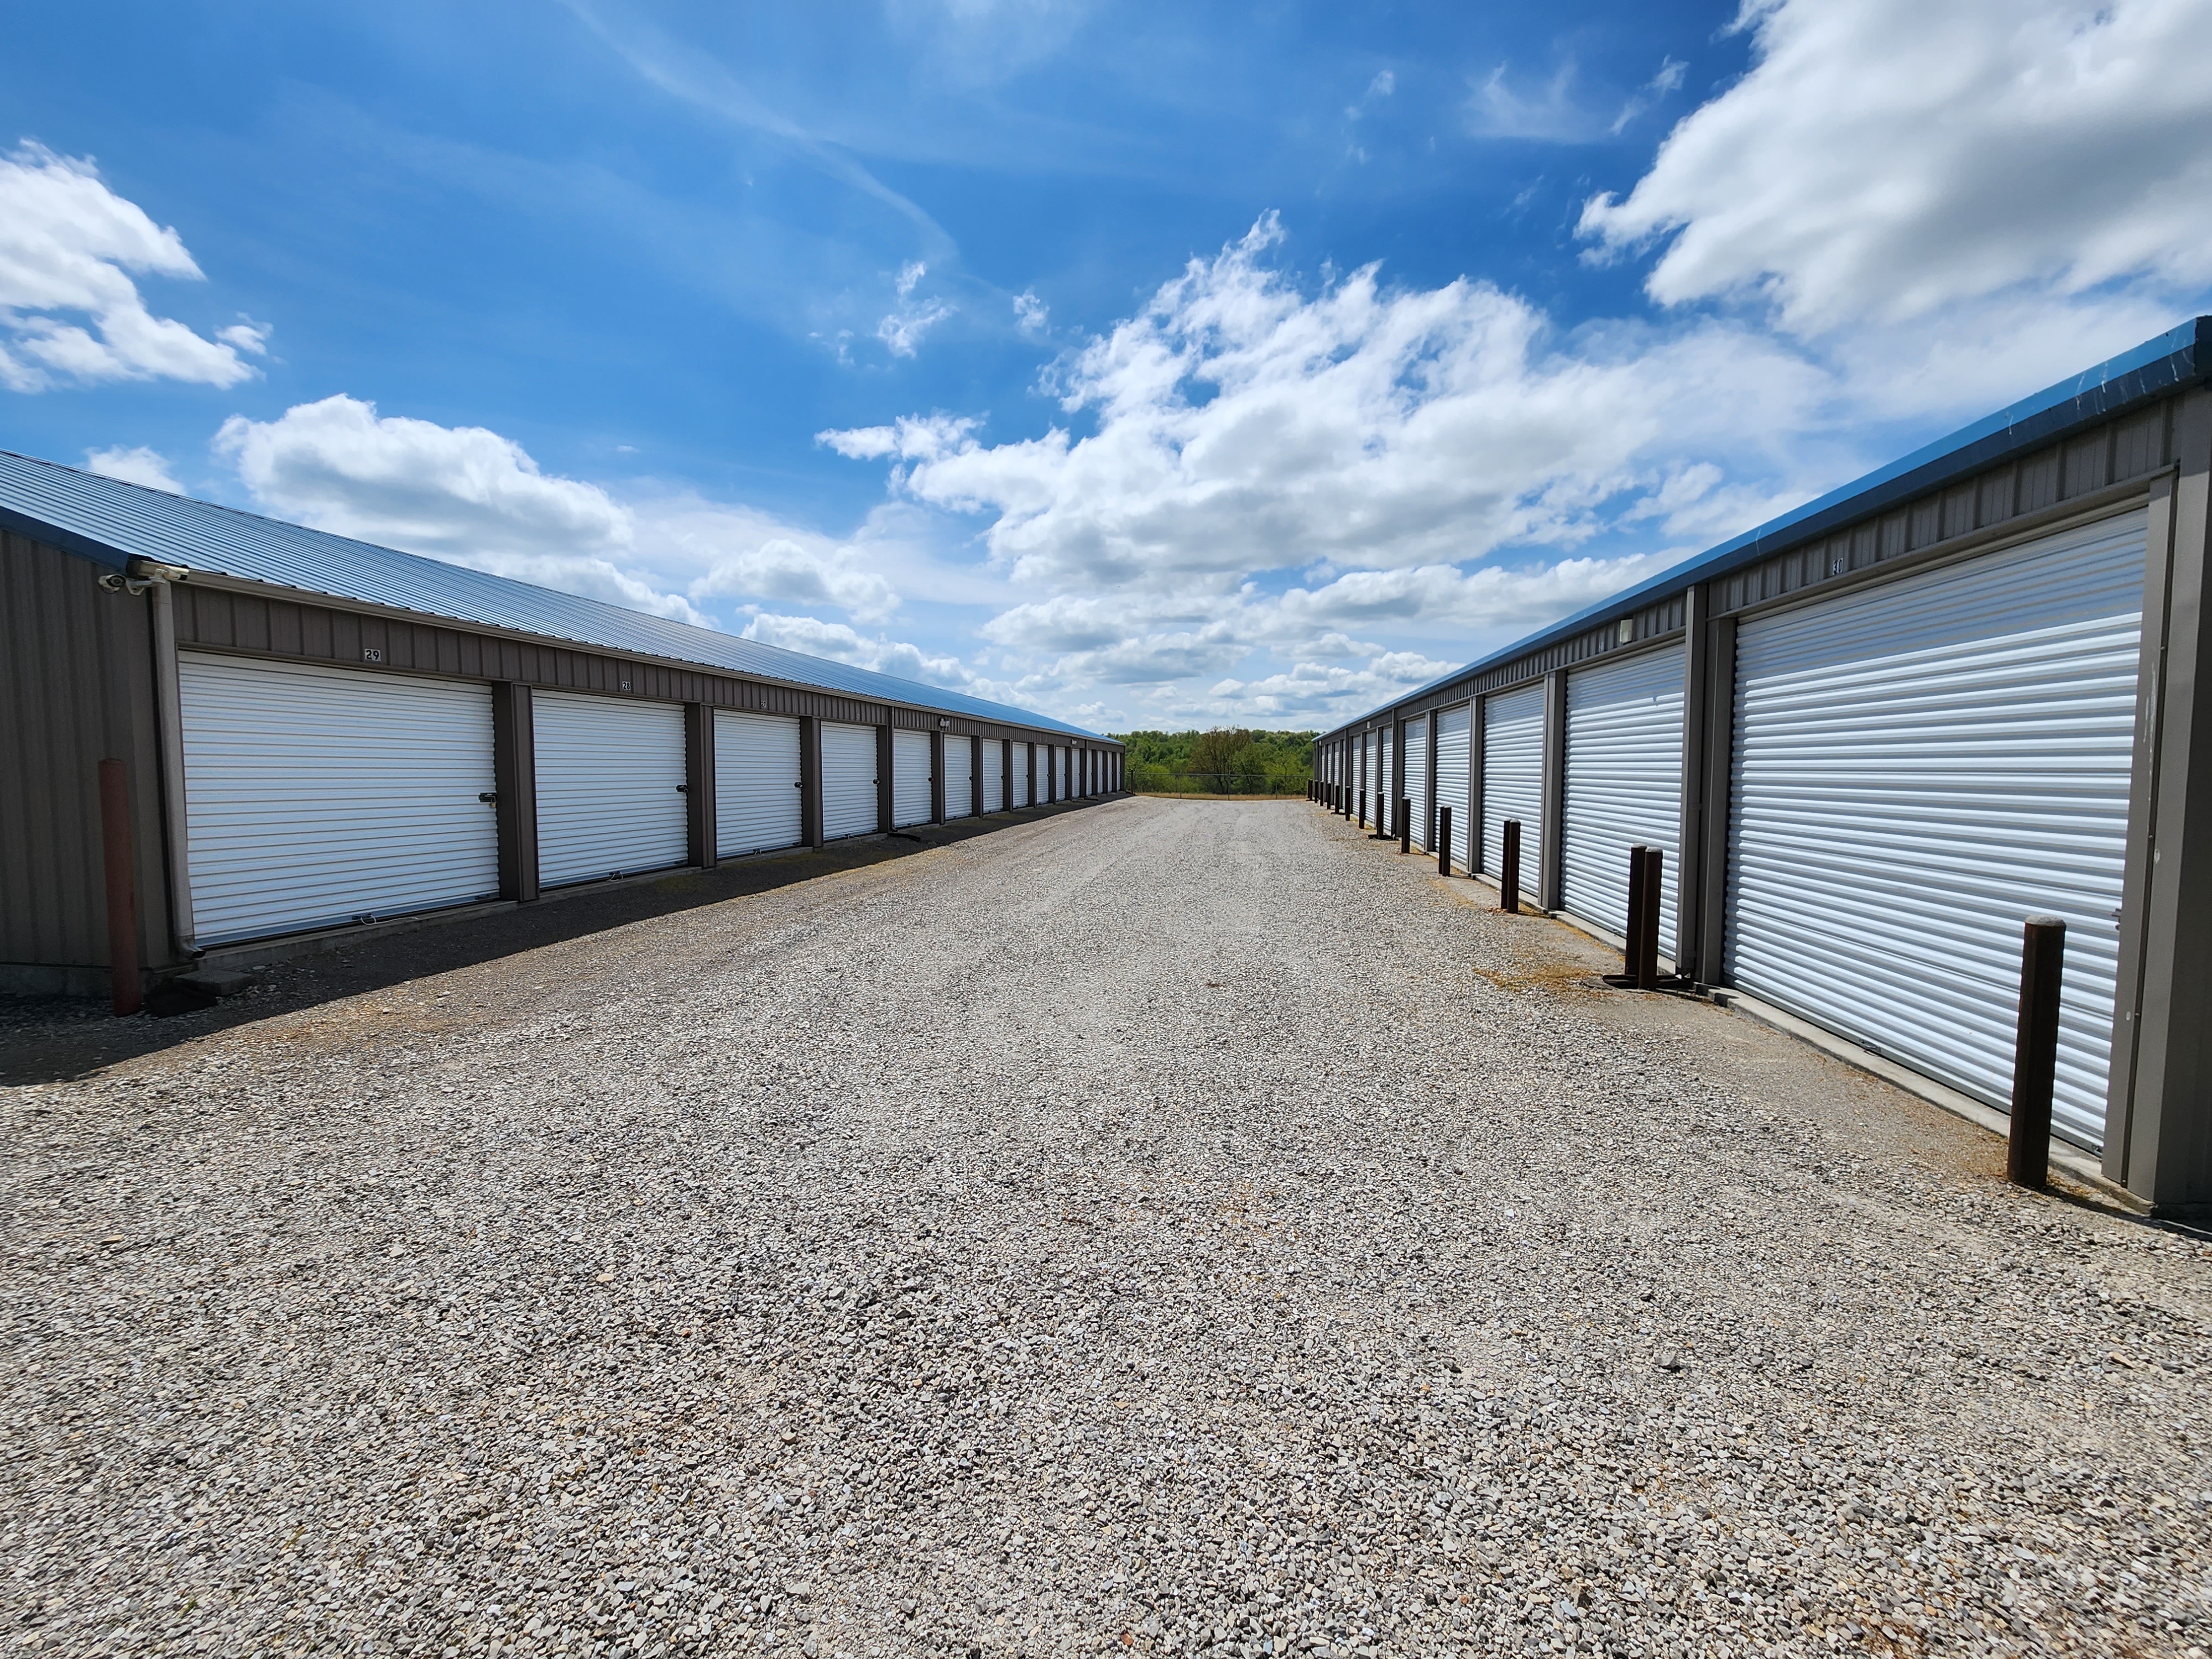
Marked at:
<point>2035,1051</point>
<point>1443,841</point>
<point>1632,932</point>
<point>1405,824</point>
<point>1647,938</point>
<point>122,901</point>
<point>1508,879</point>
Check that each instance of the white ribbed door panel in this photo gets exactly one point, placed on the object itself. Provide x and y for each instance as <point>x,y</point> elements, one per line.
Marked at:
<point>910,778</point>
<point>1386,783</point>
<point>994,775</point>
<point>757,801</point>
<point>1020,774</point>
<point>959,777</point>
<point>1623,785</point>
<point>849,780</point>
<point>1920,766</point>
<point>1454,729</point>
<point>1060,774</point>
<point>1417,779</point>
<point>317,796</point>
<point>1513,780</point>
<point>609,787</point>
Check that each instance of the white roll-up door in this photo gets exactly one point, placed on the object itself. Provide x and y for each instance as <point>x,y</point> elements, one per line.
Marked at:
<point>758,803</point>
<point>1371,769</point>
<point>959,777</point>
<point>315,797</point>
<point>1417,778</point>
<point>910,778</point>
<point>1452,737</point>
<point>1623,784</point>
<point>1060,774</point>
<point>1513,781</point>
<point>1918,767</point>
<point>609,787</point>
<point>1386,783</point>
<point>994,774</point>
<point>1019,776</point>
<point>849,780</point>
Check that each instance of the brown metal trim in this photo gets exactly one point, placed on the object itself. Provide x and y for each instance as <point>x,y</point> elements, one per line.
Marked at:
<point>699,782</point>
<point>291,623</point>
<point>810,780</point>
<point>514,777</point>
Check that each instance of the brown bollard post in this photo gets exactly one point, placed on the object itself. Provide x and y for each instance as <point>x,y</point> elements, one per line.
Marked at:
<point>2035,1050</point>
<point>122,900</point>
<point>1443,841</point>
<point>1362,809</point>
<point>1404,824</point>
<point>1508,879</point>
<point>1647,938</point>
<point>1633,930</point>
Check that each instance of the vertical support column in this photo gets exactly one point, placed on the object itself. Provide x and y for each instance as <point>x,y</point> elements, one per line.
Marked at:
<point>936,775</point>
<point>976,775</point>
<point>1689,875</point>
<point>1554,826</point>
<point>810,780</point>
<point>699,782</point>
<point>2158,1139</point>
<point>1429,801</point>
<point>1028,760</point>
<point>886,759</point>
<point>169,715</point>
<point>1718,745</point>
<point>515,780</point>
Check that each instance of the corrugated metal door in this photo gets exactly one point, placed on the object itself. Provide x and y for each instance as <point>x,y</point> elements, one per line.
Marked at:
<point>609,787</point>
<point>1454,733</point>
<point>1386,783</point>
<point>1417,778</point>
<point>1513,780</point>
<point>994,774</point>
<point>757,801</point>
<point>959,777</point>
<point>849,780</point>
<point>910,778</point>
<point>318,796</point>
<point>1020,776</point>
<point>1918,767</point>
<point>1060,774</point>
<point>1623,785</point>
<point>1371,769</point>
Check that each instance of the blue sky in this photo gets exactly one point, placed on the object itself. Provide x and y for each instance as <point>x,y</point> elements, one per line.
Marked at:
<point>1147,365</point>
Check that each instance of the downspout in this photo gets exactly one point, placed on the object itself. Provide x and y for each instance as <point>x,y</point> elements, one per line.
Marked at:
<point>169,721</point>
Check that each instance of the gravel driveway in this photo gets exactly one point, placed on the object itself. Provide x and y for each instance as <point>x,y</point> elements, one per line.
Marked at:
<point>1170,1227</point>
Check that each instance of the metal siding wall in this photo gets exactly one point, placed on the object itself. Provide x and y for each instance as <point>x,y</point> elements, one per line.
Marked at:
<point>1623,785</point>
<point>1454,729</point>
<point>1417,778</point>
<point>75,688</point>
<point>757,804</point>
<point>959,778</point>
<point>610,779</point>
<point>1919,766</point>
<point>319,796</point>
<point>910,778</point>
<point>849,780</point>
<point>1513,780</point>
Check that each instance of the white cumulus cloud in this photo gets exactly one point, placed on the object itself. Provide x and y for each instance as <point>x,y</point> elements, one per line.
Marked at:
<point>901,328</point>
<point>841,643</point>
<point>472,496</point>
<point>70,251</point>
<point>1885,159</point>
<point>138,465</point>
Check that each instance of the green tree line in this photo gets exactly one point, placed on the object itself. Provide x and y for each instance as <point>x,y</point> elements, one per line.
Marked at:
<point>1225,760</point>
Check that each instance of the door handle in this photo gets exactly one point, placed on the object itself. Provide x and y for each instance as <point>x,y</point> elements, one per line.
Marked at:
<point>489,797</point>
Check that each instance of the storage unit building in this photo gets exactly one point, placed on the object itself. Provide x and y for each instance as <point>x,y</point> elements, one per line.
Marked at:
<point>1872,736</point>
<point>314,733</point>
<point>960,777</point>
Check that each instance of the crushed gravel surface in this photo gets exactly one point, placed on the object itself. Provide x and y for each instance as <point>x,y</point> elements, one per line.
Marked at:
<point>1172,1227</point>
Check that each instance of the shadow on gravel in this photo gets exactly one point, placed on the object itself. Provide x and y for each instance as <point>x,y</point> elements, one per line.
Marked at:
<point>54,1039</point>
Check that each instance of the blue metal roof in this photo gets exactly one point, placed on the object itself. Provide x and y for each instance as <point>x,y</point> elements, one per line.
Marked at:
<point>112,522</point>
<point>2180,357</point>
